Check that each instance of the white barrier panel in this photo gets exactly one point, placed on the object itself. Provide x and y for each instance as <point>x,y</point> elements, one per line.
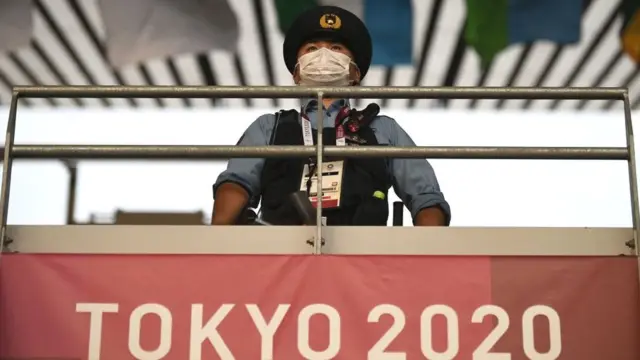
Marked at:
<point>130,239</point>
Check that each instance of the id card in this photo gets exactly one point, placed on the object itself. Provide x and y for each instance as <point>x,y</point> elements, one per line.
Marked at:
<point>331,184</point>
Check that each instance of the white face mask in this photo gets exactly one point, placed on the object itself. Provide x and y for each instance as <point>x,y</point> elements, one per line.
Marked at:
<point>324,67</point>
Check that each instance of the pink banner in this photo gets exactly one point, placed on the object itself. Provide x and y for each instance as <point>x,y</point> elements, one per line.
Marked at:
<point>318,307</point>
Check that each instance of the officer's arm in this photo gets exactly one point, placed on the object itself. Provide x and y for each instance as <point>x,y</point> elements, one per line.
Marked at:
<point>415,182</point>
<point>241,181</point>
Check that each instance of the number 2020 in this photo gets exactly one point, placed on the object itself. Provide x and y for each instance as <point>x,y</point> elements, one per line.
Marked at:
<point>483,351</point>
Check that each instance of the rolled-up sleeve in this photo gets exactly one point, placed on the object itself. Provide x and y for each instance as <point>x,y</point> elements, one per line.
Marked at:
<point>414,180</point>
<point>246,171</point>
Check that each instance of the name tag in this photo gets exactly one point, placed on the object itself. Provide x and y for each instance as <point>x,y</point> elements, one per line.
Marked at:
<point>331,184</point>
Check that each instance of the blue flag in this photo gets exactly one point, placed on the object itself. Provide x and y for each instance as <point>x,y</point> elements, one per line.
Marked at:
<point>494,25</point>
<point>555,20</point>
<point>390,23</point>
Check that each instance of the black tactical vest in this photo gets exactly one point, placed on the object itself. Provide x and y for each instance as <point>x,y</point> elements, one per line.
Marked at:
<point>362,177</point>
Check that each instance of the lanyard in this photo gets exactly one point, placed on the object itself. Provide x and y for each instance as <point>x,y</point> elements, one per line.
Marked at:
<point>307,134</point>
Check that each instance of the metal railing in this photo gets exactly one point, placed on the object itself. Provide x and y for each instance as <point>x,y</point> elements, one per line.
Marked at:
<point>12,151</point>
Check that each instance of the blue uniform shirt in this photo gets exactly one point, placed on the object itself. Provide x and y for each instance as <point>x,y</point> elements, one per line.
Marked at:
<point>414,180</point>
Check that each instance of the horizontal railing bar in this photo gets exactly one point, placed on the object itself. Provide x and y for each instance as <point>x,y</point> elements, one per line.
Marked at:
<point>178,152</point>
<point>362,92</point>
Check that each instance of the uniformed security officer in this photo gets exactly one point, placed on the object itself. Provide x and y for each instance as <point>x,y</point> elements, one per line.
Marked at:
<point>328,46</point>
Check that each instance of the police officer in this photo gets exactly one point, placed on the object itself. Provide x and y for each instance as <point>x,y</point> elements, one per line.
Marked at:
<point>328,46</point>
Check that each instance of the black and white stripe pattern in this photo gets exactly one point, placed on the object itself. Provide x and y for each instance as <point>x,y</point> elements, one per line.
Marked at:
<point>67,49</point>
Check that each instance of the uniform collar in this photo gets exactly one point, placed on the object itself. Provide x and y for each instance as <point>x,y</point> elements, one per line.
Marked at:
<point>311,105</point>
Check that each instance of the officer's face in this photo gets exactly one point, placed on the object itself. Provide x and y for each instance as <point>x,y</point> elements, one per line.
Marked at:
<point>315,45</point>
<point>331,45</point>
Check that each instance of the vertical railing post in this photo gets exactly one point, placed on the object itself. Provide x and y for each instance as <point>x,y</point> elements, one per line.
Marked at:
<point>320,147</point>
<point>633,176</point>
<point>7,167</point>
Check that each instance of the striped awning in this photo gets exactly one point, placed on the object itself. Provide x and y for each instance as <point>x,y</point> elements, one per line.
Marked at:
<point>67,47</point>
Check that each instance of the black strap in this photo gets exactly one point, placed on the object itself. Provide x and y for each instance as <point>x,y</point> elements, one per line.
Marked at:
<point>275,128</point>
<point>282,115</point>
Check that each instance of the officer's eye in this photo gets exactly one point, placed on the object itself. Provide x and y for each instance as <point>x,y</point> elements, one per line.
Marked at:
<point>337,47</point>
<point>311,48</point>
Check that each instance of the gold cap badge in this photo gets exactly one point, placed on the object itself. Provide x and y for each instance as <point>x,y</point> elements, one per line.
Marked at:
<point>330,21</point>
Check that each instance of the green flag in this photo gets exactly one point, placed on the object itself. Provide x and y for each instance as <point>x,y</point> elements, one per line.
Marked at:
<point>288,10</point>
<point>486,28</point>
<point>493,25</point>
